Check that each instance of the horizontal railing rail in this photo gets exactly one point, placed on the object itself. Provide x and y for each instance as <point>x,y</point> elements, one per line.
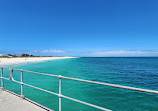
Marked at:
<point>60,94</point>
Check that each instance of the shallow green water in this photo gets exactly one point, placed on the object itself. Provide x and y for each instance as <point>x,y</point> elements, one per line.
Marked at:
<point>137,72</point>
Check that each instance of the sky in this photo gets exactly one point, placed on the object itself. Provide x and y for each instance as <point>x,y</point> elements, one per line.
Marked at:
<point>79,27</point>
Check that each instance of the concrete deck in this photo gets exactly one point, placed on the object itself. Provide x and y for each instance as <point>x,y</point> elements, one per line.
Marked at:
<point>11,102</point>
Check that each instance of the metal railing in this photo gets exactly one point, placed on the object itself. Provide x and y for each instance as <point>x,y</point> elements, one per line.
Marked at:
<point>60,94</point>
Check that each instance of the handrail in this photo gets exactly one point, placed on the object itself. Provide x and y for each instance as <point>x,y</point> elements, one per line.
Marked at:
<point>59,94</point>
<point>94,82</point>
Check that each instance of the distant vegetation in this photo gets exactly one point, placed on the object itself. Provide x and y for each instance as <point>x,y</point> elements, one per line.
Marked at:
<point>26,55</point>
<point>22,55</point>
<point>14,55</point>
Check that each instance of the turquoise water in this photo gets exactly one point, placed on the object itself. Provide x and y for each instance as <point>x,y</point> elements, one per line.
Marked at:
<point>137,72</point>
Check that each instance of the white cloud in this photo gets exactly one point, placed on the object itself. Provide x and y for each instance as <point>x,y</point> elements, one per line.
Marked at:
<point>124,53</point>
<point>51,51</point>
<point>35,52</point>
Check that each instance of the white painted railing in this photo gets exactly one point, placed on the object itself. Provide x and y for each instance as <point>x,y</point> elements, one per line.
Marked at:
<point>60,94</point>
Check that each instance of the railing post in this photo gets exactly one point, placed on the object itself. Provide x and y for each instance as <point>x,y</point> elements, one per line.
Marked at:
<point>59,92</point>
<point>22,84</point>
<point>11,72</point>
<point>2,85</point>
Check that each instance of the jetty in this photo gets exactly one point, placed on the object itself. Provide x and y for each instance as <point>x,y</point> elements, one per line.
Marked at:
<point>10,101</point>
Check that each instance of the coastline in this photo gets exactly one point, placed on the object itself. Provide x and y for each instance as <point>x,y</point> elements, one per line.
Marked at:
<point>21,60</point>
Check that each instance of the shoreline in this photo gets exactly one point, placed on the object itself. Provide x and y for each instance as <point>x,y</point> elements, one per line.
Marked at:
<point>21,60</point>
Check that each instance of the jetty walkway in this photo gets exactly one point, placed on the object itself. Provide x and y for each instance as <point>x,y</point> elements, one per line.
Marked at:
<point>10,101</point>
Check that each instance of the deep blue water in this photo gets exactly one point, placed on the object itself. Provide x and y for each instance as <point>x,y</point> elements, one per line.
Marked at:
<point>137,72</point>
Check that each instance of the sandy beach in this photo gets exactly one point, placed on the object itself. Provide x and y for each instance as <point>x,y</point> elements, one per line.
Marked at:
<point>20,60</point>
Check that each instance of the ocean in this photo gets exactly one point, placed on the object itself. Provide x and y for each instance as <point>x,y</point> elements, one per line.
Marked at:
<point>140,72</point>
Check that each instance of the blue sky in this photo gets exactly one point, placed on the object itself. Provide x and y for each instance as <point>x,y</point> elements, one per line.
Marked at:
<point>79,27</point>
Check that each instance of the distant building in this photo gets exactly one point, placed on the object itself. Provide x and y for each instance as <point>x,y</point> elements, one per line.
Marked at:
<point>15,55</point>
<point>1,54</point>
